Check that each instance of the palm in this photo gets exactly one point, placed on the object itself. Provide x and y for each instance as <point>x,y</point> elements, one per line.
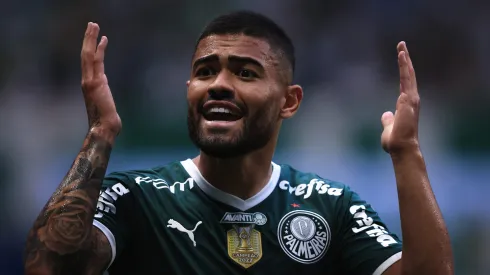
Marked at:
<point>100,105</point>
<point>401,129</point>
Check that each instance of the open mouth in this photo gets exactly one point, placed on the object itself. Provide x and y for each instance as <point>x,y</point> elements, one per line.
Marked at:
<point>221,114</point>
<point>221,111</point>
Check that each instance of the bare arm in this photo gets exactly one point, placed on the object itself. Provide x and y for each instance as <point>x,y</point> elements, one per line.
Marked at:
<point>62,239</point>
<point>426,243</point>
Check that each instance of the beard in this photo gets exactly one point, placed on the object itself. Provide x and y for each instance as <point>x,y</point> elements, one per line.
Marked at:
<point>256,132</point>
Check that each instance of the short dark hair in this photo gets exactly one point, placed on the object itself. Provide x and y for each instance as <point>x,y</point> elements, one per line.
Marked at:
<point>255,25</point>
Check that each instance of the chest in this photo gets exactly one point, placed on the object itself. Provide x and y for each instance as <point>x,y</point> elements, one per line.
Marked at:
<point>212,238</point>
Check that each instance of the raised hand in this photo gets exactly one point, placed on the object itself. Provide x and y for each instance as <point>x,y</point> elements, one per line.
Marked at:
<point>62,240</point>
<point>401,129</point>
<point>101,109</point>
<point>428,253</point>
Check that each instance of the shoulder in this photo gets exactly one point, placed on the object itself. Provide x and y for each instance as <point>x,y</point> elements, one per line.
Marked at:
<point>308,185</point>
<point>167,179</point>
<point>152,175</point>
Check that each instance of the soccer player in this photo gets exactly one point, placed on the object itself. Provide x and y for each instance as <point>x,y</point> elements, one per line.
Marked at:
<point>231,210</point>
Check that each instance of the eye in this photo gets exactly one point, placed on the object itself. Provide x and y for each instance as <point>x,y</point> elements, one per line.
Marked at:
<point>247,74</point>
<point>205,72</point>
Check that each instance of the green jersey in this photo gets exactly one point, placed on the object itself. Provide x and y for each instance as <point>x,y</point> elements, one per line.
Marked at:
<point>170,220</point>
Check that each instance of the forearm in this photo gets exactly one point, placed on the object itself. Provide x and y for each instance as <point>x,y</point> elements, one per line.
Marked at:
<point>426,243</point>
<point>64,225</point>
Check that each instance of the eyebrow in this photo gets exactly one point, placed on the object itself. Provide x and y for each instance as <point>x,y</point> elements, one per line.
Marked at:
<point>245,60</point>
<point>231,58</point>
<point>205,59</point>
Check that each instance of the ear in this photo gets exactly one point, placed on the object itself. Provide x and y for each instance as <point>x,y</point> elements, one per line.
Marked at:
<point>293,98</point>
<point>187,83</point>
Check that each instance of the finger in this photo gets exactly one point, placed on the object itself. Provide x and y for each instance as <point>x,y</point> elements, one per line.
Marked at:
<point>405,79</point>
<point>88,50</point>
<point>402,46</point>
<point>387,119</point>
<point>99,56</point>
<point>85,62</point>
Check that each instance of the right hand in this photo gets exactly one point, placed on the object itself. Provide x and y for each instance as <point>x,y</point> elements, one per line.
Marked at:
<point>101,109</point>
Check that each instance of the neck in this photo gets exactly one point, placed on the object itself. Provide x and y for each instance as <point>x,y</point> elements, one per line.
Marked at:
<point>242,176</point>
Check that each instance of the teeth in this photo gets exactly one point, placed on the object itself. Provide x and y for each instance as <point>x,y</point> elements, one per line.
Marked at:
<point>220,110</point>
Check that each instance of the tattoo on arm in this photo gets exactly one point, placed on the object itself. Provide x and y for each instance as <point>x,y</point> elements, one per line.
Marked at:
<point>93,115</point>
<point>63,239</point>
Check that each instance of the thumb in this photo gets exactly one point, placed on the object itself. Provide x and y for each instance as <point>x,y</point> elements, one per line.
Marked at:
<point>387,119</point>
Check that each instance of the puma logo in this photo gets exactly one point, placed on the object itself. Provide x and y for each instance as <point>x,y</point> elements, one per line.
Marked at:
<point>175,224</point>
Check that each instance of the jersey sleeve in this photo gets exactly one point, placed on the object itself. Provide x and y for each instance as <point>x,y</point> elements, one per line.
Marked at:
<point>112,213</point>
<point>367,245</point>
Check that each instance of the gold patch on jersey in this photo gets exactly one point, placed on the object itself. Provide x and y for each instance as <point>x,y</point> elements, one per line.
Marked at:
<point>244,245</point>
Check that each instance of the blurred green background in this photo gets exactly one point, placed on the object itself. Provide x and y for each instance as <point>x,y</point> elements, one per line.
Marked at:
<point>346,62</point>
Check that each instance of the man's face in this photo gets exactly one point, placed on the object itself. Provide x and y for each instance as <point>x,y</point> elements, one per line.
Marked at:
<point>233,95</point>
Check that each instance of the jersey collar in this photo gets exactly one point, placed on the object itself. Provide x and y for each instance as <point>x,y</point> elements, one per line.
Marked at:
<point>229,199</point>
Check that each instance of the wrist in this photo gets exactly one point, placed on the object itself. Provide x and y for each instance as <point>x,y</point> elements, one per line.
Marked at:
<point>407,154</point>
<point>103,134</point>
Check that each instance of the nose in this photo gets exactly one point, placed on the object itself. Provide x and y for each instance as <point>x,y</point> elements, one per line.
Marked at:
<point>221,88</point>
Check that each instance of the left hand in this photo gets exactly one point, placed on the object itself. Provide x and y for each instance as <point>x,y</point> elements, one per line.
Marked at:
<point>400,131</point>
